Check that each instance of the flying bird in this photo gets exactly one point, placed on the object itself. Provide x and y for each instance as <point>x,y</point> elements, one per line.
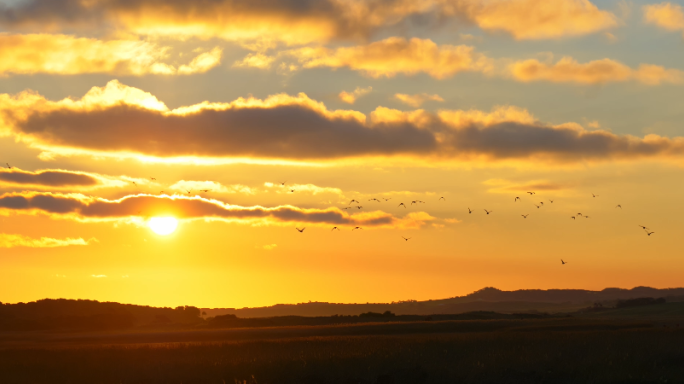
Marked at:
<point>292,190</point>
<point>347,208</point>
<point>563,262</point>
<point>374,199</point>
<point>300,230</point>
<point>355,228</point>
<point>579,214</point>
<point>8,166</point>
<point>189,192</point>
<point>536,205</point>
<point>359,206</point>
<point>334,228</point>
<point>469,211</point>
<point>488,212</point>
<point>525,216</point>
<point>406,238</point>
<point>516,199</point>
<point>353,201</point>
<point>152,178</point>
<point>644,228</point>
<point>618,206</point>
<point>134,183</point>
<point>594,195</point>
<point>400,205</point>
<point>532,193</point>
<point>387,199</point>
<point>414,202</point>
<point>551,201</point>
<point>282,184</point>
<point>649,233</point>
<point>572,217</point>
<point>442,198</point>
<point>542,203</point>
<point>205,190</point>
<point>586,217</point>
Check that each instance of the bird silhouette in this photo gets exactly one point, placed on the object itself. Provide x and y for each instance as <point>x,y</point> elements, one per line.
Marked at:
<point>152,178</point>
<point>282,184</point>
<point>542,203</point>
<point>563,262</point>
<point>189,192</point>
<point>387,199</point>
<point>525,216</point>
<point>551,201</point>
<point>401,205</point>
<point>414,202</point>
<point>334,228</point>
<point>134,183</point>
<point>205,190</point>
<point>355,228</point>
<point>442,198</point>
<point>292,190</point>
<point>516,199</point>
<point>8,166</point>
<point>586,217</point>
<point>359,206</point>
<point>161,192</point>
<point>618,206</point>
<point>532,193</point>
<point>488,212</point>
<point>572,217</point>
<point>353,201</point>
<point>347,208</point>
<point>406,238</point>
<point>374,199</point>
<point>644,228</point>
<point>579,214</point>
<point>594,195</point>
<point>649,233</point>
<point>538,206</point>
<point>300,230</point>
<point>469,211</point>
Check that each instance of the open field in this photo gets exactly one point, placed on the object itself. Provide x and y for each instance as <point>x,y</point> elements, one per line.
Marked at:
<point>556,350</point>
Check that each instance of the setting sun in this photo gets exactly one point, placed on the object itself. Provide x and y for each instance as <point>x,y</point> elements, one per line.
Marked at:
<point>163,225</point>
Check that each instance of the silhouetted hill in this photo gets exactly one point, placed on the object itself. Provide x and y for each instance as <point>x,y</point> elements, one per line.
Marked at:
<point>486,299</point>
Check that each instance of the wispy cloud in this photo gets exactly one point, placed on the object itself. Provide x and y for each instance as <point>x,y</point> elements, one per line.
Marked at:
<point>417,100</point>
<point>13,240</point>
<point>350,97</point>
<point>665,15</point>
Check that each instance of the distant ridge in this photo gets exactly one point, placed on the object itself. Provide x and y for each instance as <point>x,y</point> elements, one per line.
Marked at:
<point>485,299</point>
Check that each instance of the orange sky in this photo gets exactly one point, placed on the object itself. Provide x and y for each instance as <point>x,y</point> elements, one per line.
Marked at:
<point>115,113</point>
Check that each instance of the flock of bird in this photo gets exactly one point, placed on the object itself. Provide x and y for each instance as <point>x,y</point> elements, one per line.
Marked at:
<point>470,211</point>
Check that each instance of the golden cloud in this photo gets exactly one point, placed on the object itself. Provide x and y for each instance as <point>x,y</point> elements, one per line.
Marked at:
<point>350,97</point>
<point>137,207</point>
<point>395,55</point>
<point>69,55</point>
<point>60,179</point>
<point>123,121</point>
<point>296,22</point>
<point>665,15</point>
<point>568,70</point>
<point>535,19</point>
<point>12,241</point>
<point>416,101</point>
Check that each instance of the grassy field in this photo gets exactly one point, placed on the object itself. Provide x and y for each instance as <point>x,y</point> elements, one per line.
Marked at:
<point>561,350</point>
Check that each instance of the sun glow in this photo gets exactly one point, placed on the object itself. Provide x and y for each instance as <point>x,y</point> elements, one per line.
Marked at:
<point>163,225</point>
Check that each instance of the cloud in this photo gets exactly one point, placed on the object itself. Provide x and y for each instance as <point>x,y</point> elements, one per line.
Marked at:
<point>350,97</point>
<point>211,186</point>
<point>255,60</point>
<point>508,186</point>
<point>568,70</point>
<point>416,101</point>
<point>665,15</point>
<point>59,179</point>
<point>296,22</point>
<point>137,207</point>
<point>535,19</point>
<point>123,121</point>
<point>396,55</point>
<point>304,188</point>
<point>11,241</point>
<point>69,55</point>
<point>99,276</point>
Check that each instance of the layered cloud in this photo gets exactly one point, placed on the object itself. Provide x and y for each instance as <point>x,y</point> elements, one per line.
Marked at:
<point>136,207</point>
<point>350,97</point>
<point>122,121</point>
<point>12,241</point>
<point>69,55</point>
<point>568,70</point>
<point>665,15</point>
<point>60,179</point>
<point>396,55</point>
<point>302,21</point>
<point>417,100</point>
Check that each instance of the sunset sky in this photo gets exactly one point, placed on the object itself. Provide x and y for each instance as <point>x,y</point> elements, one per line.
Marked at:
<point>112,110</point>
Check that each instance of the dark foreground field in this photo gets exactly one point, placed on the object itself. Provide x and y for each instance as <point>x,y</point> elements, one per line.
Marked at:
<point>555,350</point>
